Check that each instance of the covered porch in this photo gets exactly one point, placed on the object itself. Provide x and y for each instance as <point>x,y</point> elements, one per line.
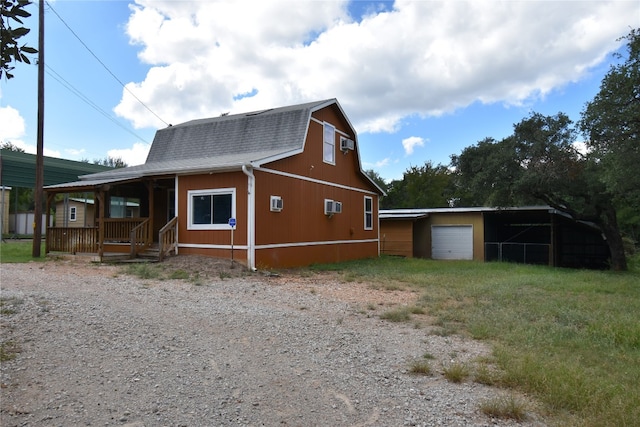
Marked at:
<point>134,217</point>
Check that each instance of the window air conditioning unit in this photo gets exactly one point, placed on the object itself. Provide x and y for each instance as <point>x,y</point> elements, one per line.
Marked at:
<point>332,207</point>
<point>276,203</point>
<point>346,144</point>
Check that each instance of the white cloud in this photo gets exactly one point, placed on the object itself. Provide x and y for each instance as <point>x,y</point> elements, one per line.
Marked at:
<point>136,155</point>
<point>379,164</point>
<point>411,143</point>
<point>421,58</point>
<point>13,128</point>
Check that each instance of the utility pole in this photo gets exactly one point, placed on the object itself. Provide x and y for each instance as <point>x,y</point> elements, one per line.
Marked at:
<point>37,216</point>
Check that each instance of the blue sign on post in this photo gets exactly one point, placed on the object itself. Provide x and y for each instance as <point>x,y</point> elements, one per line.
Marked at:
<point>232,222</point>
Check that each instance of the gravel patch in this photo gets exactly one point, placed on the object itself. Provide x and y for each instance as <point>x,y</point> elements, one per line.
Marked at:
<point>101,348</point>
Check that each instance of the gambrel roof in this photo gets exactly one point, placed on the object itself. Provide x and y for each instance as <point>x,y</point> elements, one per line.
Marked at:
<point>225,143</point>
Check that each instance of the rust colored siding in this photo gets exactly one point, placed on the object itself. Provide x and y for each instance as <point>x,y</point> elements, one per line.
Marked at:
<point>209,239</point>
<point>301,234</point>
<point>310,163</point>
<point>396,237</point>
<point>305,255</point>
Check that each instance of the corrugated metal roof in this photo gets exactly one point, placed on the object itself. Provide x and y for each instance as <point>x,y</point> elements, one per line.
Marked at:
<point>421,213</point>
<point>19,169</point>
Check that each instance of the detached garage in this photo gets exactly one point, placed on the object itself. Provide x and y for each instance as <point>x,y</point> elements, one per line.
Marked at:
<point>532,235</point>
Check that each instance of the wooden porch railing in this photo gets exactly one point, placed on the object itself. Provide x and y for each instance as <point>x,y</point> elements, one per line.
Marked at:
<point>72,240</point>
<point>119,229</point>
<point>168,238</point>
<point>140,238</point>
<point>134,231</point>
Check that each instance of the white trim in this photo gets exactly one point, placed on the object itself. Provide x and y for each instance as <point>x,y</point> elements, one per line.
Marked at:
<point>315,181</point>
<point>207,246</point>
<point>177,206</point>
<point>251,216</point>
<point>299,244</point>
<point>326,142</point>
<point>370,212</point>
<point>209,192</point>
<point>338,131</point>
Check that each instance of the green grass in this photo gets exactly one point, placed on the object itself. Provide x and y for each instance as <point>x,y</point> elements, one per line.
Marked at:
<point>19,251</point>
<point>570,338</point>
<point>507,407</point>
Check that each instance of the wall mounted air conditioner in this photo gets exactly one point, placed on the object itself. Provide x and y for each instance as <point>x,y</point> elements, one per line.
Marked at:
<point>332,207</point>
<point>276,203</point>
<point>346,144</point>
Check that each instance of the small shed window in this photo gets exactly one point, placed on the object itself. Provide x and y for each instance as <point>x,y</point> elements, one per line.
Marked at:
<point>73,214</point>
<point>368,213</point>
<point>329,144</point>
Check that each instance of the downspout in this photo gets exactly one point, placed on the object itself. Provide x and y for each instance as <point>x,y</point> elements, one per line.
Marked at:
<point>247,169</point>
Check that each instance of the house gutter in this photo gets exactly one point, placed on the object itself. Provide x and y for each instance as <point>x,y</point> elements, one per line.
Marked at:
<point>247,169</point>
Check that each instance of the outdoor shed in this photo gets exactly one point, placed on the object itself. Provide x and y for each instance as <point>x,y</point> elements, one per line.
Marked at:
<point>532,235</point>
<point>279,187</point>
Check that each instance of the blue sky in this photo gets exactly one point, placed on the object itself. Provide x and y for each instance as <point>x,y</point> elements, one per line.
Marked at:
<point>420,80</point>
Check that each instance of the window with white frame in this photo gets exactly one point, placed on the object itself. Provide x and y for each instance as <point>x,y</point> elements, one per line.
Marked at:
<point>329,144</point>
<point>368,213</point>
<point>211,209</point>
<point>73,213</point>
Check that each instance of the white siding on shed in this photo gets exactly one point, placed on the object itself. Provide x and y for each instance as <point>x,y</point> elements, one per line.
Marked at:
<point>452,242</point>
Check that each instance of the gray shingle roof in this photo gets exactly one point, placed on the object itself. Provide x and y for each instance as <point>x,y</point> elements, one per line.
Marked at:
<point>225,142</point>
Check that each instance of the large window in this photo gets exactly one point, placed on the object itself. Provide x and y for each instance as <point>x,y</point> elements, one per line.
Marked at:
<point>211,209</point>
<point>368,213</point>
<point>329,144</point>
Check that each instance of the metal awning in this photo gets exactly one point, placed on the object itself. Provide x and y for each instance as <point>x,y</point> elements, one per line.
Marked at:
<point>87,185</point>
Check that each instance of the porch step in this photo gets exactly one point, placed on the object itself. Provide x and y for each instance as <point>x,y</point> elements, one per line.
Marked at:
<point>151,253</point>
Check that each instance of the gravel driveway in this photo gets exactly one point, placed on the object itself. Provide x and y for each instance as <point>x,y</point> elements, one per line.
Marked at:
<point>101,348</point>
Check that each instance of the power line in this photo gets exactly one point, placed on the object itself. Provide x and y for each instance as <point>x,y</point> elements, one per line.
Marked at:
<point>51,72</point>
<point>104,66</point>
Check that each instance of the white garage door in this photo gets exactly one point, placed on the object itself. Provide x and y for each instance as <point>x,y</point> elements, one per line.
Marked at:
<point>452,242</point>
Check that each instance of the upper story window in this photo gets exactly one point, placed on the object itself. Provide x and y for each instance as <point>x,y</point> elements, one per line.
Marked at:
<point>368,213</point>
<point>329,144</point>
<point>211,209</point>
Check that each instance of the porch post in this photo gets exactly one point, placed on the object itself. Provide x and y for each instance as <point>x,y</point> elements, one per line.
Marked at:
<point>100,197</point>
<point>149,185</point>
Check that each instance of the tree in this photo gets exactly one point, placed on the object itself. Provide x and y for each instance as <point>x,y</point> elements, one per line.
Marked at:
<point>112,162</point>
<point>611,126</point>
<point>12,11</point>
<point>8,145</point>
<point>420,187</point>
<point>375,176</point>
<point>539,163</point>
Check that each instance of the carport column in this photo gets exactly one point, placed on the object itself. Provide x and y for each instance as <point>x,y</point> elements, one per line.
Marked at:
<point>50,197</point>
<point>251,216</point>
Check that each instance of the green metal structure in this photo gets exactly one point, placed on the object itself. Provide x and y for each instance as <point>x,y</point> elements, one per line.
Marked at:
<point>19,169</point>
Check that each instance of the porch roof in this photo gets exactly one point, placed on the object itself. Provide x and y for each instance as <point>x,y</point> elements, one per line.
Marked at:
<point>78,186</point>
